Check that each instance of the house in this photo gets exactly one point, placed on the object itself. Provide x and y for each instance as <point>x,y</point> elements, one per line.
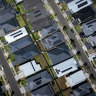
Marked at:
<point>30,68</point>
<point>19,44</point>
<point>38,80</point>
<point>16,35</point>
<point>43,91</point>
<point>37,13</point>
<point>25,54</point>
<point>83,89</point>
<point>30,4</point>
<point>65,67</point>
<point>76,78</point>
<point>59,54</point>
<point>8,23</point>
<point>92,39</point>
<point>53,40</point>
<point>77,5</point>
<point>84,15</point>
<point>48,30</point>
<point>89,27</point>
<point>42,23</point>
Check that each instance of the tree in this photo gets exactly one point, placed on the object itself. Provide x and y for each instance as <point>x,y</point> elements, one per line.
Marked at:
<point>65,28</point>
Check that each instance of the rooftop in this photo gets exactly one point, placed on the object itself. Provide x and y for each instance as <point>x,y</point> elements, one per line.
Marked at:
<point>82,90</point>
<point>37,13</point>
<point>7,14</point>
<point>43,91</point>
<point>48,30</point>
<point>15,35</point>
<point>19,44</point>
<point>9,25</point>
<point>38,80</point>
<point>60,53</point>
<point>25,54</point>
<point>30,4</point>
<point>65,67</point>
<point>3,4</point>
<point>53,40</point>
<point>42,23</point>
<point>77,5</point>
<point>85,14</point>
<point>92,39</point>
<point>76,78</point>
<point>89,27</point>
<point>30,68</point>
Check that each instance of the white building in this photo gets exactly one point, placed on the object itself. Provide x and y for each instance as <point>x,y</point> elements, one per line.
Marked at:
<point>30,68</point>
<point>18,1</point>
<point>65,67</point>
<point>15,35</point>
<point>77,5</point>
<point>76,78</point>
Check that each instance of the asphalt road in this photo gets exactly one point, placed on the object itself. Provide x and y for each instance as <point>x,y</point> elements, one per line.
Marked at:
<point>9,75</point>
<point>71,35</point>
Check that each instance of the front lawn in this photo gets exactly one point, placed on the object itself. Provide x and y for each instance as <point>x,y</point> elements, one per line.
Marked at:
<point>21,21</point>
<point>78,27</point>
<point>11,2</point>
<point>36,35</point>
<point>21,9</point>
<point>11,57</point>
<point>3,39</point>
<point>40,59</point>
<point>47,58</point>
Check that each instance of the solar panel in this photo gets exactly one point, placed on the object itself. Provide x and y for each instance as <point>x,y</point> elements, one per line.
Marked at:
<point>79,1</point>
<point>82,4</point>
<point>66,69</point>
<point>57,42</point>
<point>91,22</point>
<point>38,82</point>
<point>15,33</point>
<point>37,79</point>
<point>38,15</point>
<point>18,35</point>
<point>37,11</point>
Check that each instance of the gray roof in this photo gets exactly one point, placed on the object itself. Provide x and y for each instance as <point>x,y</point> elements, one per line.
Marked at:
<point>60,53</point>
<point>48,30</point>
<point>89,27</point>
<point>42,23</point>
<point>82,90</point>
<point>9,25</point>
<point>92,39</point>
<point>2,4</point>
<point>38,80</point>
<point>53,40</point>
<point>7,14</point>
<point>43,91</point>
<point>29,4</point>
<point>37,13</point>
<point>88,45</point>
<point>19,44</point>
<point>25,54</point>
